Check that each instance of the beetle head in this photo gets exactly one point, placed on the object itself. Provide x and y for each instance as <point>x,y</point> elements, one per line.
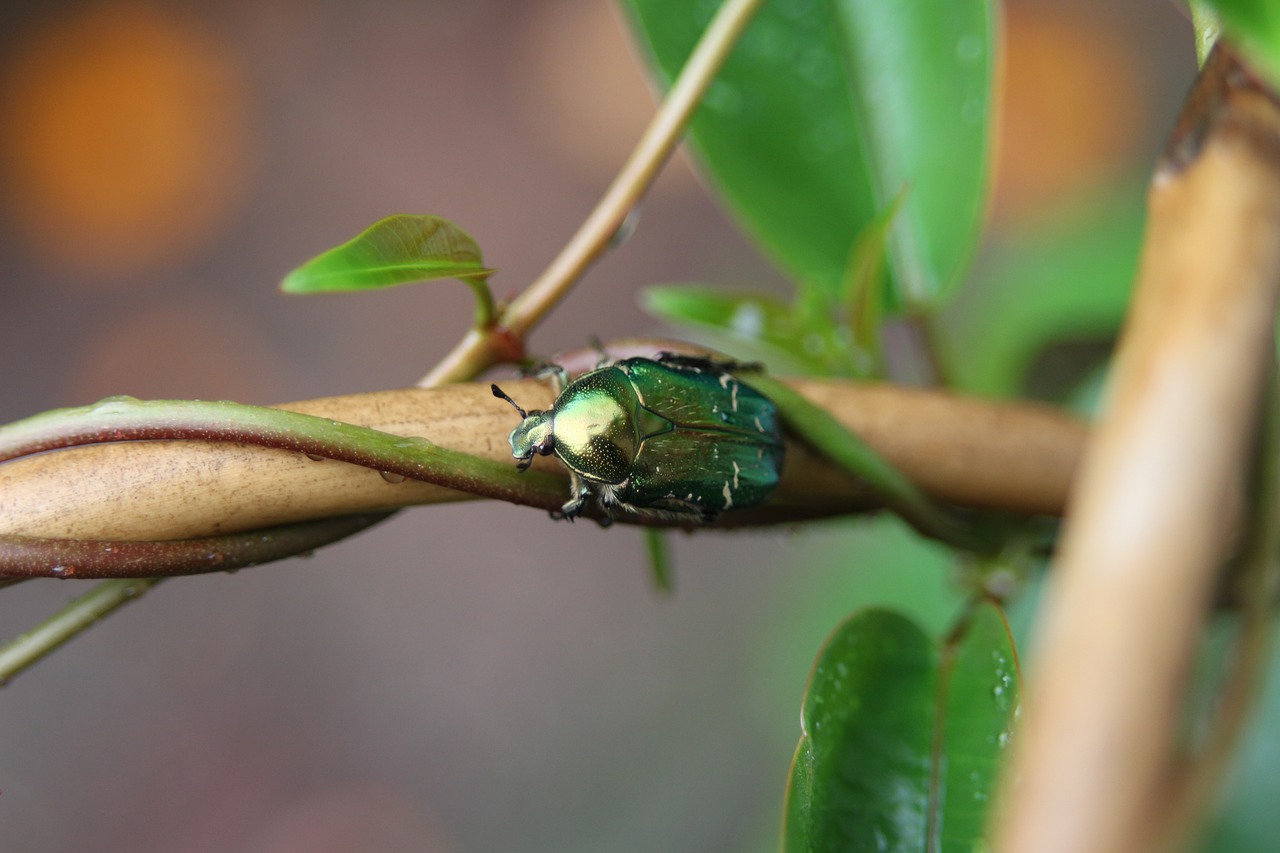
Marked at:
<point>532,436</point>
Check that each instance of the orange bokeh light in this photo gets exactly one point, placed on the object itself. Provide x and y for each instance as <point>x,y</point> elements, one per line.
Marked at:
<point>1072,106</point>
<point>125,138</point>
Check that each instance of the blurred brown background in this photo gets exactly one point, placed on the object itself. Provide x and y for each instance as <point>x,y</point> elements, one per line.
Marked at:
<point>461,678</point>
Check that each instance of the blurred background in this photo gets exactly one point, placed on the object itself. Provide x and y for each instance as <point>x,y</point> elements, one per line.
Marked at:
<point>460,678</point>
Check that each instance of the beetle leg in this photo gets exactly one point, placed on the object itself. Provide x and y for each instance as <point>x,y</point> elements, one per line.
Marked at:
<point>684,509</point>
<point>668,509</point>
<point>598,346</point>
<point>546,370</point>
<point>579,491</point>
<point>682,512</point>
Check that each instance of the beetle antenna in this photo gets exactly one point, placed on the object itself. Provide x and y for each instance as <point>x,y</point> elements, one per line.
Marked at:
<point>502,395</point>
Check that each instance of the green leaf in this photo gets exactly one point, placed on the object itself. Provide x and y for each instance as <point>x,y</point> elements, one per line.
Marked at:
<point>758,320</point>
<point>860,778</point>
<point>901,744</point>
<point>826,111</point>
<point>981,685</point>
<point>395,250</point>
<point>753,317</point>
<point>1254,25</point>
<point>921,77</point>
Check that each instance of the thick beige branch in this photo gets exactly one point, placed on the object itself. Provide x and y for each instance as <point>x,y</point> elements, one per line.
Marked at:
<point>1013,457</point>
<point>1157,501</point>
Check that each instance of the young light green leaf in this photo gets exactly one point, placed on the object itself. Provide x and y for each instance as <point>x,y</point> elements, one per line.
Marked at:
<point>756,318</point>
<point>396,250</point>
<point>804,333</point>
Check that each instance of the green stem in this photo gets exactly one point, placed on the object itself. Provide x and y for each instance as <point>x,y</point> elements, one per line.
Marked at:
<point>105,598</point>
<point>486,313</point>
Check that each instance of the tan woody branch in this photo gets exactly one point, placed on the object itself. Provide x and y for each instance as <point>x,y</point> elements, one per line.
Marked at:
<point>1013,457</point>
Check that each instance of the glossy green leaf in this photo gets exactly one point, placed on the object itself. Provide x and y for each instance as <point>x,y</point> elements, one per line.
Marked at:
<point>826,111</point>
<point>921,75</point>
<point>980,673</point>
<point>901,741</point>
<point>395,250</point>
<point>1255,26</point>
<point>860,779</point>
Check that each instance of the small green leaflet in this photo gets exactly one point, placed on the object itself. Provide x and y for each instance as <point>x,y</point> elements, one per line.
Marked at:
<point>396,250</point>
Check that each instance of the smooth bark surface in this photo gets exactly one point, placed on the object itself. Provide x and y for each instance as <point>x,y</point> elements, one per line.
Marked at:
<point>1159,494</point>
<point>1012,457</point>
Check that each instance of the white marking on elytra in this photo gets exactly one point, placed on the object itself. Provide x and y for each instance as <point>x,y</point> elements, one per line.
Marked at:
<point>759,425</point>
<point>724,380</point>
<point>734,396</point>
<point>736,469</point>
<point>728,495</point>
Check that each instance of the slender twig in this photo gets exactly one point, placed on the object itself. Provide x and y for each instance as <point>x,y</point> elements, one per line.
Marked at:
<point>477,350</point>
<point>105,598</point>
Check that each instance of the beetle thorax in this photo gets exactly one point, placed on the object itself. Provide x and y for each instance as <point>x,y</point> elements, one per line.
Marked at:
<point>595,434</point>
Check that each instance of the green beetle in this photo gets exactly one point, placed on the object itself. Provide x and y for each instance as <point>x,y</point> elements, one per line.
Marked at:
<point>679,437</point>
